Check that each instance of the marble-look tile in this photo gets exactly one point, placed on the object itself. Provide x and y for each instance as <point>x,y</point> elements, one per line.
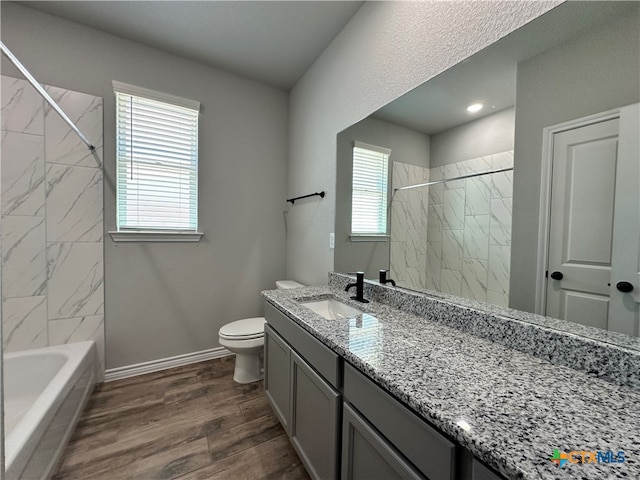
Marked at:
<point>62,145</point>
<point>22,174</point>
<point>415,240</point>
<point>502,160</point>
<point>500,225</point>
<point>499,268</point>
<point>474,279</point>
<point>434,223</point>
<point>433,266</point>
<point>24,323</point>
<point>400,175</point>
<point>74,204</point>
<point>451,282</point>
<point>496,298</point>
<point>79,329</point>
<point>397,260</point>
<point>476,237</point>
<point>75,279</point>
<point>399,221</point>
<point>24,261</point>
<point>478,165</point>
<point>452,249</point>
<point>436,193</point>
<point>412,279</point>
<point>453,208</point>
<point>502,185</point>
<point>422,269</point>
<point>454,170</point>
<point>414,208</point>
<point>22,107</point>
<point>478,196</point>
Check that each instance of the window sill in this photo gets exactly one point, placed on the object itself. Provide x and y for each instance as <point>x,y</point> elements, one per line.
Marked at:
<point>369,238</point>
<point>151,236</point>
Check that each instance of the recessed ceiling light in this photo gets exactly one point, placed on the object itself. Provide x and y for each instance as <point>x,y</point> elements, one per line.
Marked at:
<point>475,107</point>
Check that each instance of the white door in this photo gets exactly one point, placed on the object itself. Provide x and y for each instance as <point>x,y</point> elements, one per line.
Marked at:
<point>594,232</point>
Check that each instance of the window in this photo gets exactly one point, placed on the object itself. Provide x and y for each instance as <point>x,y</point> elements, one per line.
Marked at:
<point>369,190</point>
<point>157,161</point>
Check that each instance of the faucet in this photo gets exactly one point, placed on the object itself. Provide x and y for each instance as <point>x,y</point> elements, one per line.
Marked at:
<point>359,288</point>
<point>384,280</point>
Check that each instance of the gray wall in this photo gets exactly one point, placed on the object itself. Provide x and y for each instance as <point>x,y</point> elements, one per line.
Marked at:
<point>407,146</point>
<point>484,136</point>
<point>385,50</point>
<point>588,75</point>
<point>169,299</point>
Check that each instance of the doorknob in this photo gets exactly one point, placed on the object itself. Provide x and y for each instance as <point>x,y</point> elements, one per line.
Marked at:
<point>625,287</point>
<point>557,275</point>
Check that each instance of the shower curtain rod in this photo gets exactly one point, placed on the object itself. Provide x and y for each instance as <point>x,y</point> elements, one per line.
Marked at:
<point>44,94</point>
<point>435,182</point>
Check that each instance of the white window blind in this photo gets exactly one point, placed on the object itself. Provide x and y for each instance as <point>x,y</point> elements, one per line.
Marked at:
<point>369,190</point>
<point>157,160</point>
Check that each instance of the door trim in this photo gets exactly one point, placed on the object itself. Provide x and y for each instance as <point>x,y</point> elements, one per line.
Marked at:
<point>548,134</point>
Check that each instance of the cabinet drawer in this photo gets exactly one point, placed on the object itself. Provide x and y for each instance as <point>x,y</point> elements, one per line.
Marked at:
<point>368,456</point>
<point>431,452</point>
<point>480,472</point>
<point>323,359</point>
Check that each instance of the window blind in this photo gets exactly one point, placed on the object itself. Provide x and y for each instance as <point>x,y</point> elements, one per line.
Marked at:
<point>369,190</point>
<point>157,163</point>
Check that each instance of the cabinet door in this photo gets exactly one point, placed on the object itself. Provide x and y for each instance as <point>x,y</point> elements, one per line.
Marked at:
<point>315,420</point>
<point>366,455</point>
<point>277,375</point>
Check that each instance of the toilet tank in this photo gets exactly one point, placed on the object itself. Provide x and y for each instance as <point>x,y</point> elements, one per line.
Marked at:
<point>284,284</point>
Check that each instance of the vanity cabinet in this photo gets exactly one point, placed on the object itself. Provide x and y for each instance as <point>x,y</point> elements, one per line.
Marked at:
<point>367,455</point>
<point>431,453</point>
<point>307,403</point>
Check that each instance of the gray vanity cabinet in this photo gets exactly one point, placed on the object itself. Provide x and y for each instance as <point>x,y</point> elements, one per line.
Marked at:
<point>277,376</point>
<point>300,379</point>
<point>315,419</point>
<point>367,455</point>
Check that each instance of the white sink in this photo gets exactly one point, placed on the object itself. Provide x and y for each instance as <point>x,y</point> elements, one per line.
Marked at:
<point>332,309</point>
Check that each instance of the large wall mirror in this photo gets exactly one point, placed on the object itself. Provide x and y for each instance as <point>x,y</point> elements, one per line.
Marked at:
<point>555,230</point>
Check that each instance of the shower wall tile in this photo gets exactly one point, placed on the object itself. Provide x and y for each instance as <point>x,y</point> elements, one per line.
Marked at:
<point>75,279</point>
<point>478,197</point>
<point>22,180</point>
<point>24,323</point>
<point>62,145</point>
<point>451,282</point>
<point>476,237</point>
<point>502,160</point>
<point>474,279</point>
<point>453,209</point>
<point>74,204</point>
<point>80,329</point>
<point>499,269</point>
<point>452,249</point>
<point>502,185</point>
<point>24,262</point>
<point>500,226</point>
<point>466,219</point>
<point>22,107</point>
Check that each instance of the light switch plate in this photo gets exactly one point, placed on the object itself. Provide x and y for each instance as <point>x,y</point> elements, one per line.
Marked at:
<point>332,240</point>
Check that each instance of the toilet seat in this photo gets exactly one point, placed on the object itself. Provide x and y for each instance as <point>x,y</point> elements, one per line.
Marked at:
<point>245,329</point>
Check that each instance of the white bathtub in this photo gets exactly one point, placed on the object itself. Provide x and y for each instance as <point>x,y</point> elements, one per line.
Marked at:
<point>45,391</point>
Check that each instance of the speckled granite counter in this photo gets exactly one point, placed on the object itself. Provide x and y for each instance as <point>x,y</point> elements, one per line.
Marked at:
<point>509,408</point>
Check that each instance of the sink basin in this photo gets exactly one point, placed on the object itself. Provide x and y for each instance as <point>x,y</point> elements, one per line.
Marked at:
<point>332,309</point>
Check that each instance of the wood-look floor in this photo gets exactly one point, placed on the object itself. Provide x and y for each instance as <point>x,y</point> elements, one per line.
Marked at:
<point>191,422</point>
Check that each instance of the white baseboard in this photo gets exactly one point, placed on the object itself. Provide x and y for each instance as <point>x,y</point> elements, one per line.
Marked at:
<point>164,363</point>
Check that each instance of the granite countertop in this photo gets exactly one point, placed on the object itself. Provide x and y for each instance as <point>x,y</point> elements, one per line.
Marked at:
<point>509,408</point>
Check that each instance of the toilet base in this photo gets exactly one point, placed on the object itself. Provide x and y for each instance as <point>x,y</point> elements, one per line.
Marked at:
<point>248,368</point>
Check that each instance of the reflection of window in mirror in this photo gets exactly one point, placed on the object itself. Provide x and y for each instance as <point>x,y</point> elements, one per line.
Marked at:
<point>369,190</point>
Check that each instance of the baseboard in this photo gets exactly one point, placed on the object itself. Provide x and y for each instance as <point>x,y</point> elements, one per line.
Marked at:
<point>164,363</point>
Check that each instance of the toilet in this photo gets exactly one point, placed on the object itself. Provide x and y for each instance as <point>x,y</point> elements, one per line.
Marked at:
<point>245,338</point>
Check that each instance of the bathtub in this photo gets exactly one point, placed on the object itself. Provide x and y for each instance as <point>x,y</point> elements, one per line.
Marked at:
<point>45,391</point>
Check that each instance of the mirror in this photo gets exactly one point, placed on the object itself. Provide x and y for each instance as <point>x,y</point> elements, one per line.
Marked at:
<point>480,238</point>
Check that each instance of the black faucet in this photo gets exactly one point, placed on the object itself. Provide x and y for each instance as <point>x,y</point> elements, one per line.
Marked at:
<point>384,280</point>
<point>359,288</point>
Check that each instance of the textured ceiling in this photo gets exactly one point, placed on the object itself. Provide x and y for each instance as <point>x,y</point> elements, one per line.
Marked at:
<point>272,42</point>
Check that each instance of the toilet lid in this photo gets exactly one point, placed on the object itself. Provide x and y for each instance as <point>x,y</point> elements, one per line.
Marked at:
<point>245,328</point>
